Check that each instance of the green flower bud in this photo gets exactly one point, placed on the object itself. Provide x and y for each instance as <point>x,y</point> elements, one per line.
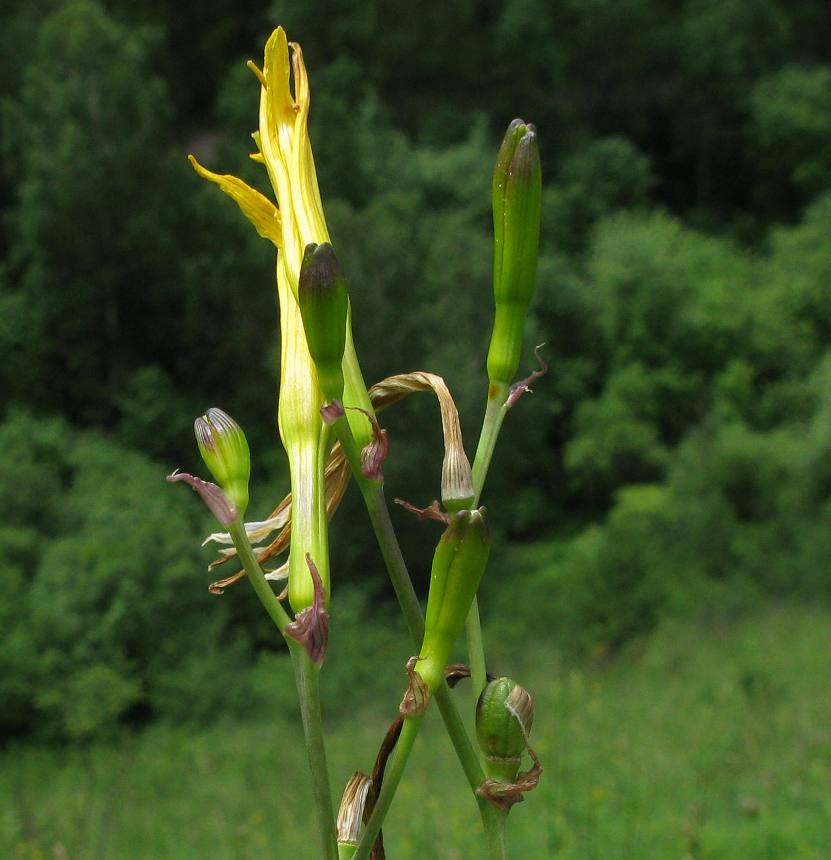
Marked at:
<point>504,715</point>
<point>324,305</point>
<point>224,449</point>
<point>458,565</point>
<point>516,195</point>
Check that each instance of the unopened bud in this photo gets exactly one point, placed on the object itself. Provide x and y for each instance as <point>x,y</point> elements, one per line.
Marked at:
<point>324,305</point>
<point>504,715</point>
<point>224,449</point>
<point>458,565</point>
<point>516,196</point>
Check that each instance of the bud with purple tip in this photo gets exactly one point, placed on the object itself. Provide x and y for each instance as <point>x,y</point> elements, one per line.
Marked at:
<point>224,449</point>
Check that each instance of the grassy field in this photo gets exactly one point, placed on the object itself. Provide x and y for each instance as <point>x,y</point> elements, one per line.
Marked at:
<point>702,742</point>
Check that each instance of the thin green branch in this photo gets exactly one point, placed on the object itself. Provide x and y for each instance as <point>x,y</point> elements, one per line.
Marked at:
<point>376,505</point>
<point>495,412</point>
<point>392,777</point>
<point>307,679</point>
<point>257,578</point>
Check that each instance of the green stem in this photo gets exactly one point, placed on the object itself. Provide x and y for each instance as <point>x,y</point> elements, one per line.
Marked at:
<point>379,516</point>
<point>307,678</point>
<point>493,819</point>
<point>495,412</point>
<point>392,776</point>
<point>256,577</point>
<point>495,835</point>
<point>476,650</point>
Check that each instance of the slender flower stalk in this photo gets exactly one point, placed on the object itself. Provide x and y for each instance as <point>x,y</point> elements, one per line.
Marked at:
<point>376,505</point>
<point>516,195</point>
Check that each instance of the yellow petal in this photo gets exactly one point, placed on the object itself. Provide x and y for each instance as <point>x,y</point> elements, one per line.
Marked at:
<point>256,207</point>
<point>281,107</point>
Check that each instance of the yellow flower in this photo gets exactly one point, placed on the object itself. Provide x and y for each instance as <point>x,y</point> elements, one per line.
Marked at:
<point>283,147</point>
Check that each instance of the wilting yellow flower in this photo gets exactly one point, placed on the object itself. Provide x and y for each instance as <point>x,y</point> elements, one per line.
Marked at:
<point>283,147</point>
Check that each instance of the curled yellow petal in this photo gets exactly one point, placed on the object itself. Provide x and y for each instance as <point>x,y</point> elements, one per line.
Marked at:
<point>256,207</point>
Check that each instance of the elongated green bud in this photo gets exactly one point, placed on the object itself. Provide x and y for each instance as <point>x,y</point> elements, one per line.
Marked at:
<point>224,449</point>
<point>516,196</point>
<point>324,305</point>
<point>458,565</point>
<point>504,715</point>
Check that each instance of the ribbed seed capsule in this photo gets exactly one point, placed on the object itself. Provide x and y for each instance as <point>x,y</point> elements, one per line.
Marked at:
<point>516,197</point>
<point>458,565</point>
<point>224,449</point>
<point>324,305</point>
<point>504,715</point>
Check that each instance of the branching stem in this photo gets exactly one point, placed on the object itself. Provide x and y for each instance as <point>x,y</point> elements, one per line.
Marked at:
<point>376,505</point>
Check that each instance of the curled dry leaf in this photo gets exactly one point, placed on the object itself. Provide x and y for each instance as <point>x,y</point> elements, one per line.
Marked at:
<point>417,695</point>
<point>504,794</point>
<point>433,512</point>
<point>523,386</point>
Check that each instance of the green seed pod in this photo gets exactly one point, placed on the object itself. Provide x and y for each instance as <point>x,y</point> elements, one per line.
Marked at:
<point>504,715</point>
<point>516,196</point>
<point>224,449</point>
<point>324,305</point>
<point>458,565</point>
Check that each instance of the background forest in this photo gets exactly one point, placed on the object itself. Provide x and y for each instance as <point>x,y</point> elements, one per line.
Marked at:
<point>673,468</point>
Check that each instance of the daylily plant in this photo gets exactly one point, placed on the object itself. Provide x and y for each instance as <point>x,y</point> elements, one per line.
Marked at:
<point>328,426</point>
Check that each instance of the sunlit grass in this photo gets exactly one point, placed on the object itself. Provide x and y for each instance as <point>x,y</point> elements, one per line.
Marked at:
<point>700,743</point>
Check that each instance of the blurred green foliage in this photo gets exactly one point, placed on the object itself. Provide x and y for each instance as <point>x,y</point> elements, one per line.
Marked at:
<point>710,738</point>
<point>676,455</point>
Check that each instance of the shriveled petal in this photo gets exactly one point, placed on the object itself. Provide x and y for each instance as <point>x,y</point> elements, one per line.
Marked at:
<point>523,386</point>
<point>217,502</point>
<point>352,806</point>
<point>279,574</point>
<point>311,625</point>
<point>256,207</point>
<point>256,531</point>
<point>456,476</point>
<point>337,475</point>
